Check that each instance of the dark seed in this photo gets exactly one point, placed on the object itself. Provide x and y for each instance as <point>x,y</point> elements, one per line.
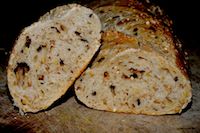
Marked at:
<point>125,76</point>
<point>39,48</point>
<point>55,29</point>
<point>22,101</point>
<point>101,11</point>
<point>62,27</point>
<point>69,49</point>
<point>136,34</point>
<point>101,59</point>
<point>115,17</point>
<point>152,28</point>
<point>112,88</point>
<point>138,102</point>
<point>84,40</point>
<point>41,77</point>
<point>87,46</point>
<point>106,74</point>
<point>90,15</point>
<point>78,88</point>
<point>140,57</point>
<point>61,62</point>
<point>176,78</point>
<point>135,29</point>
<point>94,93</point>
<point>28,41</point>
<point>77,33</point>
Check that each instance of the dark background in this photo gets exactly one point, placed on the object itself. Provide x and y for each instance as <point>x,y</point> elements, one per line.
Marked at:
<point>17,14</point>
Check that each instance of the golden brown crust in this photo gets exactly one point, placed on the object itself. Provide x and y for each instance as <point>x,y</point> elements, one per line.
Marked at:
<point>163,22</point>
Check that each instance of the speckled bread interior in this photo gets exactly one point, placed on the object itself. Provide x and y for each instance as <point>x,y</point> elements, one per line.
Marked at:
<point>50,54</point>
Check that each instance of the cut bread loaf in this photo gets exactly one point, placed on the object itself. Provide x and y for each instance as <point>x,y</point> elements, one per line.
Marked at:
<point>50,54</point>
<point>138,69</point>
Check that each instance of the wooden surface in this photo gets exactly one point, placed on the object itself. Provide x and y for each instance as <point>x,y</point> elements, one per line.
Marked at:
<point>68,115</point>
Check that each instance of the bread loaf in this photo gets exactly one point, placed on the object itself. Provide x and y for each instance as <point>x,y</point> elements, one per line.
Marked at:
<point>138,69</point>
<point>50,54</point>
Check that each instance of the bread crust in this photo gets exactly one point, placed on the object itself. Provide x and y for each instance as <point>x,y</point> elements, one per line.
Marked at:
<point>130,29</point>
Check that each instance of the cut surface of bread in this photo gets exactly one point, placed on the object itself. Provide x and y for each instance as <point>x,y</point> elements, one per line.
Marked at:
<point>50,54</point>
<point>126,77</point>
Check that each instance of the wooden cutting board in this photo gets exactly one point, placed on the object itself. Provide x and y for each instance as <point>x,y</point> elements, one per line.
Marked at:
<point>69,115</point>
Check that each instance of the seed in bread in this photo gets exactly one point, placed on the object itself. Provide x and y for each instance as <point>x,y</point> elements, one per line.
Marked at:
<point>50,54</point>
<point>132,79</point>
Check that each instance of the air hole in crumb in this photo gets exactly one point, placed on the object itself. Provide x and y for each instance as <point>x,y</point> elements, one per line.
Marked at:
<point>72,71</point>
<point>22,67</point>
<point>134,75</point>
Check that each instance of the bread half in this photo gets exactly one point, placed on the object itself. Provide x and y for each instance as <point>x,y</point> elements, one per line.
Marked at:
<point>126,77</point>
<point>50,54</point>
<point>139,68</point>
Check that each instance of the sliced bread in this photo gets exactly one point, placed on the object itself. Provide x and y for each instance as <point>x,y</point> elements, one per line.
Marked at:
<point>138,69</point>
<point>50,54</point>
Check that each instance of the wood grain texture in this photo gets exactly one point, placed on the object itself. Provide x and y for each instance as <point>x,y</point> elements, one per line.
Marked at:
<point>68,115</point>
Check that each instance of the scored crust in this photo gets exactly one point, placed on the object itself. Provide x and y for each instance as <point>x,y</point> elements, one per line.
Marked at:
<point>50,54</point>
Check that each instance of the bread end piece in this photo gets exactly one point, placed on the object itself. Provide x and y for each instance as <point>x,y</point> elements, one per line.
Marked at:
<point>50,54</point>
